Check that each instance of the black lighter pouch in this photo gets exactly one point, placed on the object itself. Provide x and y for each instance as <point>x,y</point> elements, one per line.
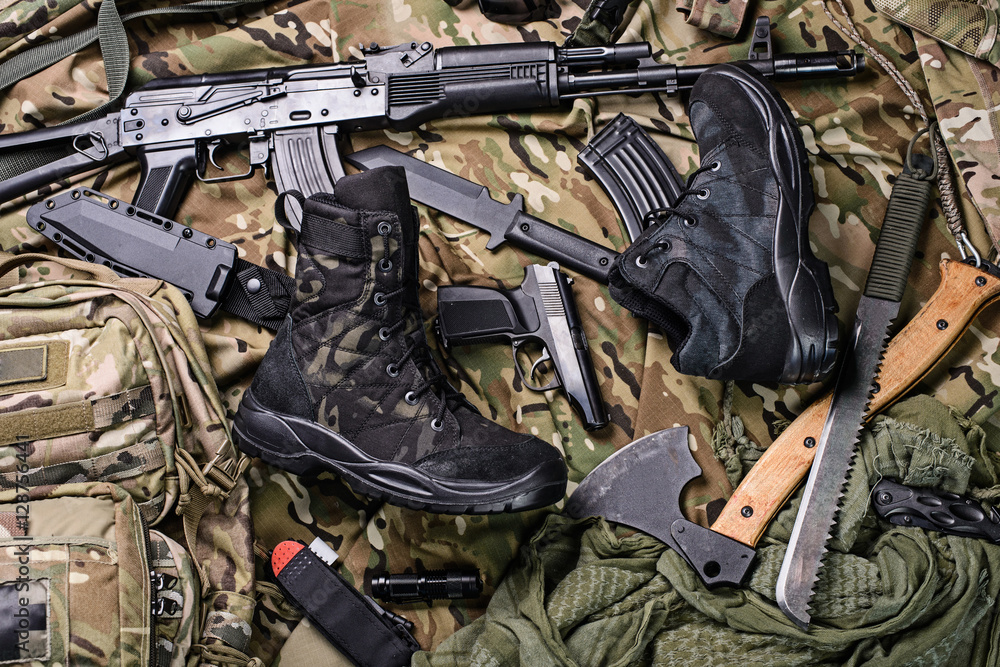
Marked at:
<point>364,632</point>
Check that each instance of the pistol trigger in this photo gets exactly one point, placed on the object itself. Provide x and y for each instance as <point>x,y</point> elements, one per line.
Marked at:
<point>546,357</point>
<point>517,364</point>
<point>520,370</point>
<point>541,360</point>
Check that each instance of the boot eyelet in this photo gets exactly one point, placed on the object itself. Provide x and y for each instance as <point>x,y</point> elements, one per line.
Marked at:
<point>704,194</point>
<point>410,398</point>
<point>384,333</point>
<point>384,265</point>
<point>392,370</point>
<point>641,262</point>
<point>690,222</point>
<point>716,166</point>
<point>384,228</point>
<point>379,300</point>
<point>437,424</point>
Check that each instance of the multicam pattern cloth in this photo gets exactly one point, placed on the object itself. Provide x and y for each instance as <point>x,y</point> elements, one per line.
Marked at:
<point>855,131</point>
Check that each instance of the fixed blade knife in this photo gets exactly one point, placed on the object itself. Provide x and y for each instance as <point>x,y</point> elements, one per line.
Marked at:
<point>856,383</point>
<point>471,203</point>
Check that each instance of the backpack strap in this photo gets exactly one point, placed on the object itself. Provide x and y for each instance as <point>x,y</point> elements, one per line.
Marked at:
<point>110,33</point>
<point>115,50</point>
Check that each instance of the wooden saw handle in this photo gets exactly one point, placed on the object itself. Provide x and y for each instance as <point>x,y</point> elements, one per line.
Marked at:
<point>964,292</point>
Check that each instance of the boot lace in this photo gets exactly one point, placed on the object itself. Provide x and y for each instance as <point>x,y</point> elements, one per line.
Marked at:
<point>432,381</point>
<point>658,215</point>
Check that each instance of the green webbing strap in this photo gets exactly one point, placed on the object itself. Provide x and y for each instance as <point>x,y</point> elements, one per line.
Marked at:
<point>110,32</point>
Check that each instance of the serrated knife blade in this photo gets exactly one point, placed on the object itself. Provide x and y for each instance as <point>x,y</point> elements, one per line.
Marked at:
<point>834,454</point>
<point>856,382</point>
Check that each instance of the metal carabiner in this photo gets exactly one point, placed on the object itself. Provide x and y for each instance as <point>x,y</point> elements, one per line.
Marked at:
<point>965,247</point>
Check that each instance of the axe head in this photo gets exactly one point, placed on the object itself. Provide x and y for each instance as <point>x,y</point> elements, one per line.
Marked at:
<point>640,486</point>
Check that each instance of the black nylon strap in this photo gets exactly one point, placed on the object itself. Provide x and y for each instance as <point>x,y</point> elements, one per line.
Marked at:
<point>259,295</point>
<point>343,615</point>
<point>333,237</point>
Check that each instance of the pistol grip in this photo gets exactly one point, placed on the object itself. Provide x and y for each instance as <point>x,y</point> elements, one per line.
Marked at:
<point>470,314</point>
<point>166,173</point>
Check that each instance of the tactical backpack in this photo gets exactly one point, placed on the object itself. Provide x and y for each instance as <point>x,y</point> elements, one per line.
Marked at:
<point>110,424</point>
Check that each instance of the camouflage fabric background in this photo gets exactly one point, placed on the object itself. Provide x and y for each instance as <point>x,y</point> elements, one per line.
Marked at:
<point>855,131</point>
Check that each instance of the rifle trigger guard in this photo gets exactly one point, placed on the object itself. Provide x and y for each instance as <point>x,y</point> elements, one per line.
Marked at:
<point>97,142</point>
<point>214,146</point>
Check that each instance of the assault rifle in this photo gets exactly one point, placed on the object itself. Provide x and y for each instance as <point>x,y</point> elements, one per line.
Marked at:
<point>292,117</point>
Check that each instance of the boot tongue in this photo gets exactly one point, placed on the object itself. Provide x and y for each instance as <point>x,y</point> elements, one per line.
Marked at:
<point>379,189</point>
<point>385,189</point>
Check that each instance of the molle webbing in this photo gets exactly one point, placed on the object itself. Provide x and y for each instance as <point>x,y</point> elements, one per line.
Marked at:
<point>81,417</point>
<point>112,467</point>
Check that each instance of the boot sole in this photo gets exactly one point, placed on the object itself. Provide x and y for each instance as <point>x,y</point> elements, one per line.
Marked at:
<point>803,280</point>
<point>260,432</point>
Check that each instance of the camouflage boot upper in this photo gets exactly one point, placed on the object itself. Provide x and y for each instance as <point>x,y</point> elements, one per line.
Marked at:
<point>727,272</point>
<point>349,386</point>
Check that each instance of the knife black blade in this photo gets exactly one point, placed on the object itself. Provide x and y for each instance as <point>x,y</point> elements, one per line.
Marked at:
<point>471,203</point>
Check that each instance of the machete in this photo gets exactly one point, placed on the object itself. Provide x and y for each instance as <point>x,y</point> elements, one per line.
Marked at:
<point>857,382</point>
<point>627,493</point>
<point>471,203</point>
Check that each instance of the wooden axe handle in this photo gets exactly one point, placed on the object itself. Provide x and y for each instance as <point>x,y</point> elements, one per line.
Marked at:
<point>964,292</point>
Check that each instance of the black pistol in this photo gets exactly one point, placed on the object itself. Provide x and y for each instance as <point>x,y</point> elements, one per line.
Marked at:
<point>540,310</point>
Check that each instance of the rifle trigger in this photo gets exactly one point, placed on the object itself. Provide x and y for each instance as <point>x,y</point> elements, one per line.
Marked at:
<point>97,142</point>
<point>212,147</point>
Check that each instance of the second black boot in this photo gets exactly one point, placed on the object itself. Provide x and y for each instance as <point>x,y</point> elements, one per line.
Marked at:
<point>727,272</point>
<point>348,384</point>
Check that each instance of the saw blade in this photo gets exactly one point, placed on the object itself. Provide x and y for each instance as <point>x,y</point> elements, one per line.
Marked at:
<point>824,489</point>
<point>835,453</point>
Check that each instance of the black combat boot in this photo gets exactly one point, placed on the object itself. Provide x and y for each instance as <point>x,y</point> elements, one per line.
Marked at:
<point>349,386</point>
<point>727,272</point>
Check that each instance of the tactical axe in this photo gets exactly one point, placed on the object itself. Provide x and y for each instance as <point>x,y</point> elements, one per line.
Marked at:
<point>640,485</point>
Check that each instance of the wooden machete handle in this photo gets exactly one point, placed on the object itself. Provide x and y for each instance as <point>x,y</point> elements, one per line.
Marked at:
<point>964,291</point>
